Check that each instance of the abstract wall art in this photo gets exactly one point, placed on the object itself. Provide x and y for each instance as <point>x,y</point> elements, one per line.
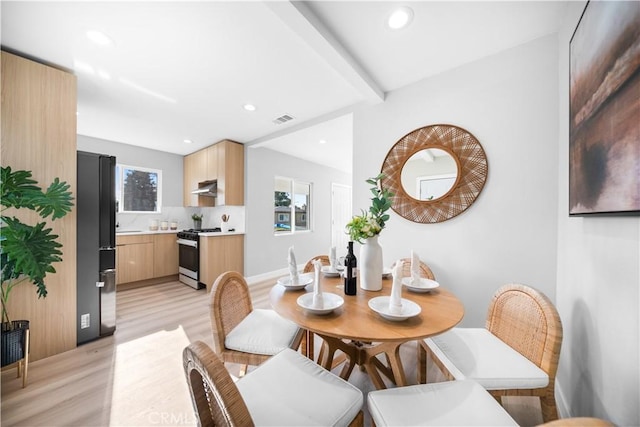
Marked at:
<point>604,128</point>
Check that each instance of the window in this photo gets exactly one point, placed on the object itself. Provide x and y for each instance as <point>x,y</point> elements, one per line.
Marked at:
<point>292,206</point>
<point>138,189</point>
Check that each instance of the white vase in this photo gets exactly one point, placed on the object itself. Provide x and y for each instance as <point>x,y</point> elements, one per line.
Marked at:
<point>224,226</point>
<point>370,263</point>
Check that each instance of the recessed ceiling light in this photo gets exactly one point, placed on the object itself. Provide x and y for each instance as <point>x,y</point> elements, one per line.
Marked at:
<point>323,141</point>
<point>99,38</point>
<point>400,18</point>
<point>249,107</point>
<point>187,141</point>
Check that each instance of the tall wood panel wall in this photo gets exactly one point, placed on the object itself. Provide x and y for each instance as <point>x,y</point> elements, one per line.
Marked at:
<point>39,134</point>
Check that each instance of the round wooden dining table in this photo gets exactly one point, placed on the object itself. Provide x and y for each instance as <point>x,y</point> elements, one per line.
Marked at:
<point>361,333</point>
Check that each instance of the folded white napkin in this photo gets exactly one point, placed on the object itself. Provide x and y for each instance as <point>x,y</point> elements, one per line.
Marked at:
<point>318,301</point>
<point>332,258</point>
<point>395,302</point>
<point>293,267</point>
<point>415,268</point>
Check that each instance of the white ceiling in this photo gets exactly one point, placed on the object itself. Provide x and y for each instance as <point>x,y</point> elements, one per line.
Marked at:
<point>184,70</point>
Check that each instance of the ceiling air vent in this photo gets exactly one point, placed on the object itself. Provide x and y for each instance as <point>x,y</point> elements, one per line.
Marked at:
<point>282,119</point>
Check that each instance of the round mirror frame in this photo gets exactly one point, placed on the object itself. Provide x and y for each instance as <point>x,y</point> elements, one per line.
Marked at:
<point>472,173</point>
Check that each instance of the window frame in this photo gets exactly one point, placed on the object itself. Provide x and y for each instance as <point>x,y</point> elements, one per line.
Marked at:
<point>292,211</point>
<point>120,170</point>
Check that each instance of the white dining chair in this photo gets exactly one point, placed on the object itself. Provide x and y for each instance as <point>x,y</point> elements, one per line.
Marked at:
<point>516,353</point>
<point>242,334</point>
<point>287,390</point>
<point>449,403</point>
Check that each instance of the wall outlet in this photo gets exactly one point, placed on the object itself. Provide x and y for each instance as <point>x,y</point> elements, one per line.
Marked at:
<point>85,321</point>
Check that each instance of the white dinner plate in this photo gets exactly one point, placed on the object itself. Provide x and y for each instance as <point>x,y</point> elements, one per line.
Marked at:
<point>327,271</point>
<point>303,280</point>
<point>331,302</point>
<point>381,306</point>
<point>425,285</point>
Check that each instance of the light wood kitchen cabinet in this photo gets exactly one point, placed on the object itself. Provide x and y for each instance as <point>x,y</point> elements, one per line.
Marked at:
<point>219,254</point>
<point>212,162</point>
<point>195,170</point>
<point>135,256</point>
<point>230,173</point>
<point>146,256</point>
<point>165,261</point>
<point>222,162</point>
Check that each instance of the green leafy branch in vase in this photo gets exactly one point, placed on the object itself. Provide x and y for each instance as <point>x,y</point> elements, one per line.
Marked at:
<point>370,223</point>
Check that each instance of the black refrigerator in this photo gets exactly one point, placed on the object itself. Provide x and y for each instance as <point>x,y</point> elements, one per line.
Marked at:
<point>96,262</point>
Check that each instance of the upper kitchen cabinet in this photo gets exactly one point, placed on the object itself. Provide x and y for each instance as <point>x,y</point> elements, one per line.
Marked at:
<point>196,170</point>
<point>222,164</point>
<point>230,173</point>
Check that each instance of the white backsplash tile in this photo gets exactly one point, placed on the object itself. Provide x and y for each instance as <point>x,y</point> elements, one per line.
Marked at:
<point>211,218</point>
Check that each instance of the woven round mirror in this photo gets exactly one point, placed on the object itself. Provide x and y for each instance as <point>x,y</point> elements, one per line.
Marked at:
<point>453,172</point>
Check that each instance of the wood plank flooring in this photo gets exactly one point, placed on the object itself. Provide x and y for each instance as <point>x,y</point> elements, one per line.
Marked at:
<point>135,378</point>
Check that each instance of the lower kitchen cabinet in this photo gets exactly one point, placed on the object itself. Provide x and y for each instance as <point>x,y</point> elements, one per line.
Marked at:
<point>219,254</point>
<point>145,256</point>
<point>134,258</point>
<point>165,260</point>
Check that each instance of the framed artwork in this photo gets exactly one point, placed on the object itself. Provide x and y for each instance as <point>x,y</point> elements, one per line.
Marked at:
<point>604,111</point>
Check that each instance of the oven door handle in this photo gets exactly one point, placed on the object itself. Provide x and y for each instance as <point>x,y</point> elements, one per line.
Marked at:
<point>185,242</point>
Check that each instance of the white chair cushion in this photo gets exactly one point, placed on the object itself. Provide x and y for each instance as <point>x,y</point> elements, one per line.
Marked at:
<point>477,354</point>
<point>290,389</point>
<point>262,332</point>
<point>450,403</point>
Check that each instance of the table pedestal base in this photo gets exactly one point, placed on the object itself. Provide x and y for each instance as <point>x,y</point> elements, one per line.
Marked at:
<point>364,354</point>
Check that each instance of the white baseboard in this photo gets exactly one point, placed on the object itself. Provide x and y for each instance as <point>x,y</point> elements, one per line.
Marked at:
<point>561,402</point>
<point>270,275</point>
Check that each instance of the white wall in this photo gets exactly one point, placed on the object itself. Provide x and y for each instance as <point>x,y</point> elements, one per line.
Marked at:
<point>265,252</point>
<point>509,103</point>
<point>598,290</point>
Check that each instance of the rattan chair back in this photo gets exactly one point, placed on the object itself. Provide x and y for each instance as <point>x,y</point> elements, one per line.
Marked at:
<point>215,397</point>
<point>527,321</point>
<point>308,267</point>
<point>425,271</point>
<point>229,303</point>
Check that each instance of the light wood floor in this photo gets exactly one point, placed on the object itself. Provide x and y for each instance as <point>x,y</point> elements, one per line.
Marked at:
<point>135,377</point>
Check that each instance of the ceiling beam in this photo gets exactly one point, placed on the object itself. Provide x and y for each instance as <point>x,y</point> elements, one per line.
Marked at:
<point>301,20</point>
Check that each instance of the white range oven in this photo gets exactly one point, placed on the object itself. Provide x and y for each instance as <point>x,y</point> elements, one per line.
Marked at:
<point>189,256</point>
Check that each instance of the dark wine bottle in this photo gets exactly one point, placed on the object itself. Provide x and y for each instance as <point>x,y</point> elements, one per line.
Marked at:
<point>350,263</point>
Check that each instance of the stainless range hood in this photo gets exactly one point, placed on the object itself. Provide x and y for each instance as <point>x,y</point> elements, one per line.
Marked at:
<point>207,188</point>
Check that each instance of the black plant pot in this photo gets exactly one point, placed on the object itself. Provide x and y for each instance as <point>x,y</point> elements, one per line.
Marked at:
<point>14,341</point>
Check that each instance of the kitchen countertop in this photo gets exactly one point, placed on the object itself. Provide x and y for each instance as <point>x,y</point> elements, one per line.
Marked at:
<point>140,232</point>
<point>131,232</point>
<point>219,233</point>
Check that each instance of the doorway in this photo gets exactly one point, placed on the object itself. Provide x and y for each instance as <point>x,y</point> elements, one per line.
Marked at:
<point>340,215</point>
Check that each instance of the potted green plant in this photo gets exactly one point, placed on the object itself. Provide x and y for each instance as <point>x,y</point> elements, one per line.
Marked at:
<point>197,221</point>
<point>27,251</point>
